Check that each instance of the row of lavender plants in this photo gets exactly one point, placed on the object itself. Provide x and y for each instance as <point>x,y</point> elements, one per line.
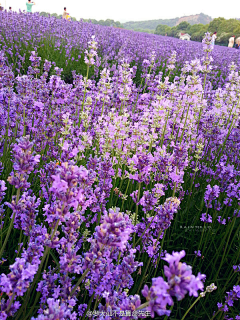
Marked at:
<point>105,185</point>
<point>64,44</point>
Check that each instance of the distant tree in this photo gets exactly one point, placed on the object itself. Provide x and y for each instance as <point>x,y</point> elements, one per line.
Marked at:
<point>108,22</point>
<point>44,14</point>
<point>56,15</point>
<point>162,29</point>
<point>232,25</point>
<point>216,25</point>
<point>223,37</point>
<point>92,21</point>
<point>183,26</point>
<point>197,36</point>
<point>196,28</point>
<point>118,24</point>
<point>144,30</point>
<point>174,32</point>
<point>237,29</point>
<point>196,31</point>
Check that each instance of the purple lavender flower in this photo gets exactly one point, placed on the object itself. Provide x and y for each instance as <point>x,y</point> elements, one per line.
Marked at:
<point>18,280</point>
<point>232,295</point>
<point>25,212</point>
<point>180,277</point>
<point>207,42</point>
<point>158,297</point>
<point>24,162</point>
<point>236,268</point>
<point>198,253</point>
<point>91,53</point>
<point>56,310</point>
<point>114,230</point>
<point>35,62</point>
<point>211,194</point>
<point>172,61</point>
<point>206,218</point>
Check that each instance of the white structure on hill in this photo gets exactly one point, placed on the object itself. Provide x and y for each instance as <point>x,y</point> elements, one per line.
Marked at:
<point>184,36</point>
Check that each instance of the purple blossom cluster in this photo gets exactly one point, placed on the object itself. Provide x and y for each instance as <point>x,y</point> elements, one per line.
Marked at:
<point>24,162</point>
<point>232,296</point>
<point>180,281</point>
<point>97,175</point>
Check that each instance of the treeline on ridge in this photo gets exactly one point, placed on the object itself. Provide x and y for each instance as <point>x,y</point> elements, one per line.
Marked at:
<point>107,22</point>
<point>224,28</point>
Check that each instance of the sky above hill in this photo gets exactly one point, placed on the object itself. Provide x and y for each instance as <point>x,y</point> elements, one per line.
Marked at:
<point>130,10</point>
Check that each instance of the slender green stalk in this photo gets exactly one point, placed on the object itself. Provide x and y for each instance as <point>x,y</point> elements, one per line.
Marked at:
<point>190,307</point>
<point>143,277</point>
<point>121,108</point>
<point>147,80</point>
<point>144,305</point>
<point>83,276</point>
<point>137,97</point>
<point>199,246</point>
<point>119,256</point>
<point>24,124</point>
<point>102,109</point>
<point>166,317</point>
<point>96,302</point>
<point>225,141</point>
<point>136,213</point>
<point>89,304</point>
<point>185,123</point>
<point>226,246</point>
<point>94,109</point>
<point>145,230</point>
<point>159,257</point>
<point>125,193</point>
<point>46,252</point>
<point>6,136</point>
<point>164,129</point>
<point>79,281</point>
<point>10,227</point>
<point>200,112</point>
<point>84,95</point>
<point>11,301</point>
<point>34,304</point>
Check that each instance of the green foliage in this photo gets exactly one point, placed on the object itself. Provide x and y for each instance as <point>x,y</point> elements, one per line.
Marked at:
<point>197,33</point>
<point>219,245</point>
<point>152,24</point>
<point>44,14</point>
<point>223,37</point>
<point>216,25</point>
<point>107,22</point>
<point>183,25</point>
<point>224,28</point>
<point>196,28</point>
<point>162,29</point>
<point>145,30</point>
<point>58,16</point>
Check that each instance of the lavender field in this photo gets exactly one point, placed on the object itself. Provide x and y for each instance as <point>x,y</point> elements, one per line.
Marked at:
<point>119,174</point>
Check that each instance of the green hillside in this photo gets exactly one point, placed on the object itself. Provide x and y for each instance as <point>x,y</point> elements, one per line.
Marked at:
<point>152,24</point>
